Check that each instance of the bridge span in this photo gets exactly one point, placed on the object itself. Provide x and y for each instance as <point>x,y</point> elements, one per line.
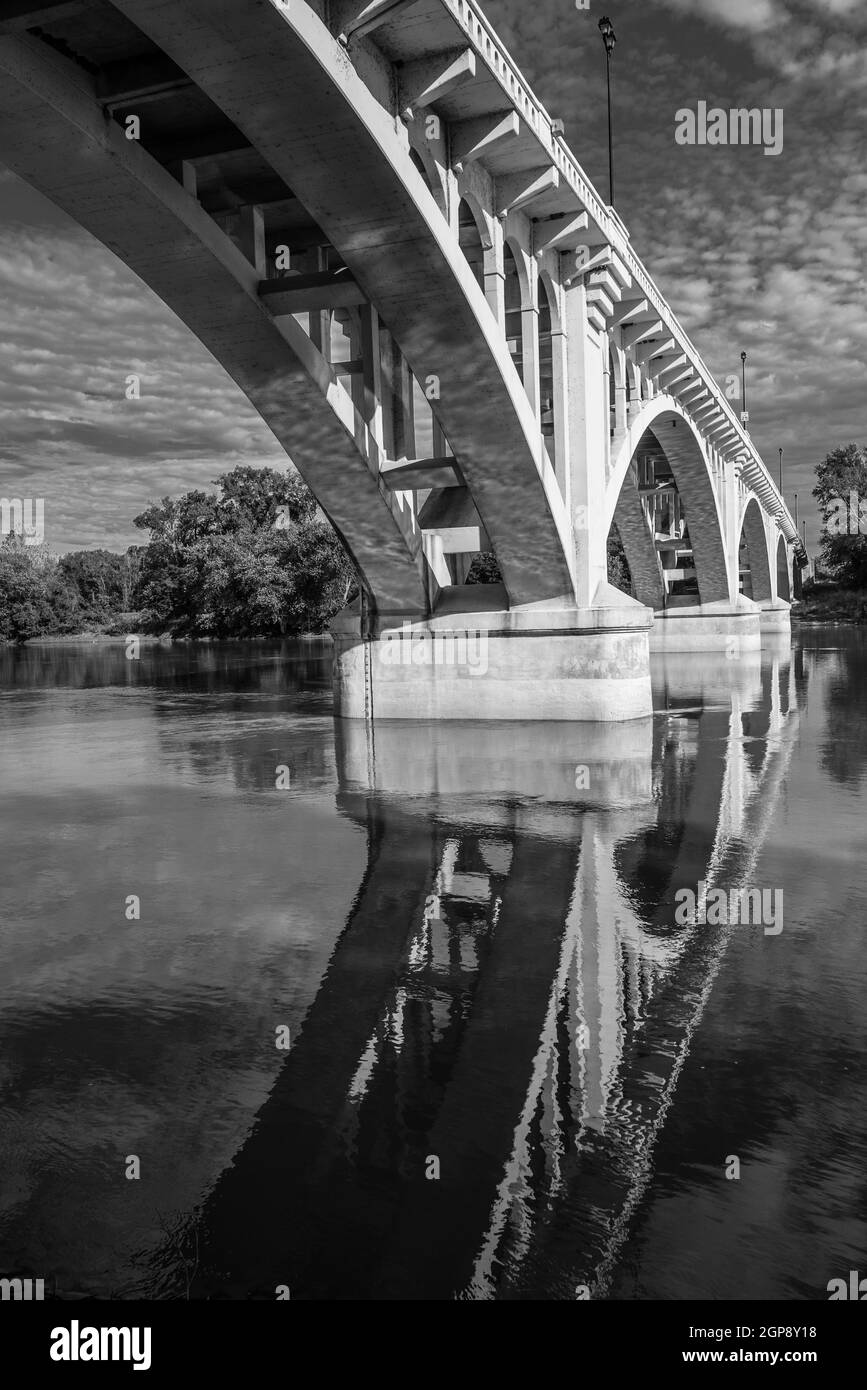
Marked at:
<point>364,212</point>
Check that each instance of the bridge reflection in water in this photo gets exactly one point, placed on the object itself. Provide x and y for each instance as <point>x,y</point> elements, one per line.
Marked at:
<point>510,996</point>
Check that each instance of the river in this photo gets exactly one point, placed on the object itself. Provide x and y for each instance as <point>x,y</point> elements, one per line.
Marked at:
<point>291,1010</point>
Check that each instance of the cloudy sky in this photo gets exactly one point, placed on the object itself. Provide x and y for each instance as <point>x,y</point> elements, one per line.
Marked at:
<point>759,253</point>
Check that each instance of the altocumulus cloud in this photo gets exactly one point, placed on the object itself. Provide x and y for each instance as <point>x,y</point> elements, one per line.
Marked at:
<point>75,324</point>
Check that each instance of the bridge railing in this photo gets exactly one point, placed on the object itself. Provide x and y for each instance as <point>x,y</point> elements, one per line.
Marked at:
<point>491,48</point>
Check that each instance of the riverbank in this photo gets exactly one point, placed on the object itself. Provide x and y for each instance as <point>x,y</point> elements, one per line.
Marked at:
<point>826,604</point>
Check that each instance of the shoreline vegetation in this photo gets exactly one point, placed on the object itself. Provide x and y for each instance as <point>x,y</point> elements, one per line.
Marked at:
<point>255,559</point>
<point>831,603</point>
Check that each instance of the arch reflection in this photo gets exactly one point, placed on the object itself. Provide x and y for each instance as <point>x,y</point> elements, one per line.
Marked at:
<point>510,997</point>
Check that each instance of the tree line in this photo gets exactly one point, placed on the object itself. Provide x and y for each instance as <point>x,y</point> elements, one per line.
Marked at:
<point>254,559</point>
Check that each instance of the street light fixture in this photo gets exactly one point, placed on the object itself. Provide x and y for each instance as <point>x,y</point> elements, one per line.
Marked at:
<point>609,38</point>
<point>745,414</point>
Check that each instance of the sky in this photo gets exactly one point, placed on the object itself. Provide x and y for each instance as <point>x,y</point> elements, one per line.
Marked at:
<point>759,253</point>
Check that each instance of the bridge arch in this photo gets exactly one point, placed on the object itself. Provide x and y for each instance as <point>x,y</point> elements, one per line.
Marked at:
<point>472,238</point>
<point>685,454</point>
<point>784,588</point>
<point>422,157</point>
<point>753,541</point>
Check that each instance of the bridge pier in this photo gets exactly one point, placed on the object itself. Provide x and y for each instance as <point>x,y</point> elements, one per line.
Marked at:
<point>708,627</point>
<point>775,618</point>
<point>533,662</point>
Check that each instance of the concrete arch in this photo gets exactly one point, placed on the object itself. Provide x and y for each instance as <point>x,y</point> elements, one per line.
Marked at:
<point>68,149</point>
<point>471,239</point>
<point>689,464</point>
<point>752,531</point>
<point>784,587</point>
<point>321,128</point>
<point>422,156</point>
<point>552,295</point>
<point>512,244</point>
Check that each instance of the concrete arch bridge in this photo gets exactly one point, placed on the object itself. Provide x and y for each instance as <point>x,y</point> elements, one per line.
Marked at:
<point>364,212</point>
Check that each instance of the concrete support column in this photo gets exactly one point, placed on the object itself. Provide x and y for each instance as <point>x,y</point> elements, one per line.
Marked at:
<point>731,498</point>
<point>251,231</point>
<point>495,276</point>
<point>389,387</point>
<point>587,405</point>
<point>319,320</point>
<point>530,336</point>
<point>372,376</point>
<point>561,416</point>
<point>530,351</point>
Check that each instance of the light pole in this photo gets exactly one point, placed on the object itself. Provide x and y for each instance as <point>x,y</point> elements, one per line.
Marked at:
<point>745,414</point>
<point>609,38</point>
<point>781,472</point>
<point>796,511</point>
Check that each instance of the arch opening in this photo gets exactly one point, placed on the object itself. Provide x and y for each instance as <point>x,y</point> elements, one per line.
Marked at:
<point>784,590</point>
<point>754,574</point>
<point>677,553</point>
<point>470,239</point>
<point>514,317</point>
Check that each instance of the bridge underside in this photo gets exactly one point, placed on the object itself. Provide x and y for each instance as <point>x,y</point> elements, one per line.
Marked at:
<point>399,301</point>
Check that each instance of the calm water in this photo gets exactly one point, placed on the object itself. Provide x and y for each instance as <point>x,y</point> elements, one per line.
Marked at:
<point>469,932</point>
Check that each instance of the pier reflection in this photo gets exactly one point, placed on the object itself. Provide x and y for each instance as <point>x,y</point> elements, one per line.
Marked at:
<point>471,1105</point>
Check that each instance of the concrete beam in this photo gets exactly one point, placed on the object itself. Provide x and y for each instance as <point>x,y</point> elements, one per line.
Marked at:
<point>452,515</point>
<point>631,309</point>
<point>678,364</point>
<point>520,190</point>
<point>356,17</point>
<point>479,137</point>
<point>560,233</point>
<point>426,80</point>
<point>300,294</point>
<point>600,258</point>
<point>407,475</point>
<point>634,333</point>
<point>645,351</point>
<point>679,384</point>
<point>696,393</point>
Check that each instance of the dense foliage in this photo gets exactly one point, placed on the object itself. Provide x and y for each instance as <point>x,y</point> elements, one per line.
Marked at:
<point>256,559</point>
<point>841,492</point>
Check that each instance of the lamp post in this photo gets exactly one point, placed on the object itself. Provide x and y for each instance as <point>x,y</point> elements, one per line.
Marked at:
<point>745,414</point>
<point>796,511</point>
<point>609,38</point>
<point>781,472</point>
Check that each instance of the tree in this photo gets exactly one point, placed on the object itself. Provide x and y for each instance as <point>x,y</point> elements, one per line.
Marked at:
<point>258,559</point>
<point>619,573</point>
<point>841,491</point>
<point>96,579</point>
<point>25,591</point>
